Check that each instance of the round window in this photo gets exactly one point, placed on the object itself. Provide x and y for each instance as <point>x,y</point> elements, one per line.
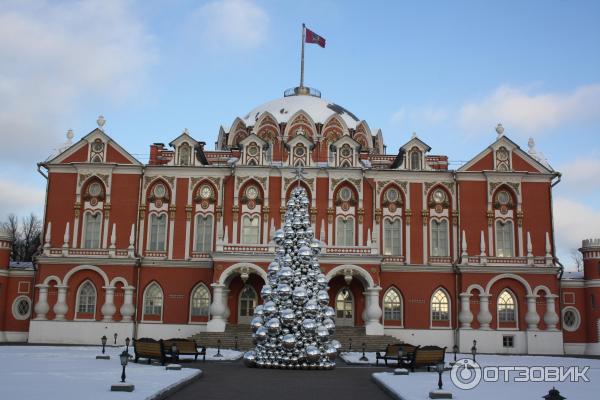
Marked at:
<point>346,151</point>
<point>391,195</point>
<point>503,197</point>
<point>160,190</point>
<point>252,193</point>
<point>571,319</point>
<point>205,191</point>
<point>21,308</point>
<point>253,150</point>
<point>98,146</point>
<point>345,194</point>
<point>502,154</point>
<point>299,151</point>
<point>95,189</point>
<point>439,196</point>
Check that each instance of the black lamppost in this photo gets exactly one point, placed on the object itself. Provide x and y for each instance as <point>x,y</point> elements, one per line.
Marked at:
<point>440,370</point>
<point>553,394</point>
<point>364,357</point>
<point>174,352</point>
<point>350,346</point>
<point>115,336</point>
<point>127,341</point>
<point>455,350</point>
<point>103,339</point>
<point>124,358</point>
<point>474,349</point>
<point>235,346</point>
<point>219,349</point>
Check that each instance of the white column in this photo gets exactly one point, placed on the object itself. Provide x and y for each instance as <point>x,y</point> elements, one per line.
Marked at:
<point>188,226</point>
<point>550,316</point>
<point>217,310</point>
<point>61,307</point>
<point>108,308</point>
<point>41,307</point>
<point>373,326</point>
<point>484,317</point>
<point>364,313</point>
<point>465,317</point>
<point>532,318</point>
<point>127,309</point>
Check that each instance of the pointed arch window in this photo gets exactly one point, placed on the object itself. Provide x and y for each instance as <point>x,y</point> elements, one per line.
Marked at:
<point>248,301</point>
<point>158,232</point>
<point>204,233</point>
<point>153,300</point>
<point>345,231</point>
<point>250,229</point>
<point>392,237</point>
<point>86,298</point>
<point>93,226</point>
<point>439,238</point>
<point>392,305</point>
<point>506,307</point>
<point>200,301</point>
<point>415,160</point>
<point>504,239</point>
<point>440,306</point>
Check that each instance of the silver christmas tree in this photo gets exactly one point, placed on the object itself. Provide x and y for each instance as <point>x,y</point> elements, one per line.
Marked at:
<point>293,328</point>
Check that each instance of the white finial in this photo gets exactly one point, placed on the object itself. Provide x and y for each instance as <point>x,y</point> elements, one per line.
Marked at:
<point>369,241</point>
<point>226,236</point>
<point>186,131</point>
<point>464,244</point>
<point>529,246</point>
<point>414,135</point>
<point>132,236</point>
<point>322,233</point>
<point>482,245</point>
<point>499,130</point>
<point>70,135</point>
<point>113,236</point>
<point>66,236</point>
<point>48,233</point>
<point>101,121</point>
<point>531,145</point>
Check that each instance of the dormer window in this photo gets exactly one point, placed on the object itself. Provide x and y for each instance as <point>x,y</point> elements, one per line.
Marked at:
<point>252,154</point>
<point>345,156</point>
<point>299,155</point>
<point>502,159</point>
<point>415,159</point>
<point>185,154</point>
<point>97,151</point>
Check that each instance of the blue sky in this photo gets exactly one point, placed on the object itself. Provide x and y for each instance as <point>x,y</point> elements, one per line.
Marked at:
<point>448,70</point>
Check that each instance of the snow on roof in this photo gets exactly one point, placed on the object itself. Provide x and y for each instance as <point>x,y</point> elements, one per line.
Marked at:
<point>20,265</point>
<point>318,109</point>
<point>573,275</point>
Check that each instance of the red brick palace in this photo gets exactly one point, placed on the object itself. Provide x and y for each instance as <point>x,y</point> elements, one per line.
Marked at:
<point>413,248</point>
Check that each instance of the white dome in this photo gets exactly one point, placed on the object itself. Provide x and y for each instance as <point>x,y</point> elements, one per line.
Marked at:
<point>318,109</point>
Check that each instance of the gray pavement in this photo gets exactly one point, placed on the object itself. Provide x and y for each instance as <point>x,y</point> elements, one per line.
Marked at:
<point>232,380</point>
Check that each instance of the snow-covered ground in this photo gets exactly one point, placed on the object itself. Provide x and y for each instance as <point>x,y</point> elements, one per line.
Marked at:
<point>353,357</point>
<point>417,385</point>
<point>48,372</point>
<point>228,355</point>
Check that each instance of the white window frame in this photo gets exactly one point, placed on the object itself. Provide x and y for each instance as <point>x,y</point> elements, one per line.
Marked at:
<point>352,302</point>
<point>85,227</point>
<point>149,243</point>
<point>419,157</point>
<point>194,290</point>
<point>256,296</point>
<point>516,311</point>
<point>386,240</point>
<point>345,218</point>
<point>162,303</point>
<point>449,299</point>
<point>401,319</point>
<point>15,308</point>
<point>77,301</point>
<point>250,218</point>
<point>577,319</point>
<point>504,223</point>
<point>439,221</point>
<point>209,246</point>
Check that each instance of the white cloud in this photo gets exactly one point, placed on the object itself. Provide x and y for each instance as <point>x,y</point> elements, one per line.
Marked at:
<point>54,56</point>
<point>582,175</point>
<point>574,221</point>
<point>21,199</point>
<point>421,116</point>
<point>530,113</point>
<point>232,23</point>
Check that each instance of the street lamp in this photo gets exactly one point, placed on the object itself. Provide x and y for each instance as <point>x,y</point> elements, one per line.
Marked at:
<point>124,358</point>
<point>219,349</point>
<point>174,352</point>
<point>350,346</point>
<point>553,394</point>
<point>364,357</point>
<point>127,341</point>
<point>103,339</point>
<point>236,343</point>
<point>474,349</point>
<point>115,338</point>
<point>440,370</point>
<point>454,350</point>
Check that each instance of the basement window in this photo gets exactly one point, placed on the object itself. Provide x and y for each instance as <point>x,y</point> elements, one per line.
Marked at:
<point>508,341</point>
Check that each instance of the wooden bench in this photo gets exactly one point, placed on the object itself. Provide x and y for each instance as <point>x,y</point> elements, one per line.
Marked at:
<point>150,349</point>
<point>392,352</point>
<point>427,356</point>
<point>184,347</point>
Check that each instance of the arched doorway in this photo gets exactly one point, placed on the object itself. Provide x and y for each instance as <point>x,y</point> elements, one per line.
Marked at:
<point>344,307</point>
<point>247,303</point>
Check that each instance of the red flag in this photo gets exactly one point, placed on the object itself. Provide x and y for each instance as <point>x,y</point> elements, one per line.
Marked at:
<point>312,37</point>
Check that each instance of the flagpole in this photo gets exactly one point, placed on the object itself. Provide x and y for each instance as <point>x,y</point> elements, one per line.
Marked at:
<point>302,57</point>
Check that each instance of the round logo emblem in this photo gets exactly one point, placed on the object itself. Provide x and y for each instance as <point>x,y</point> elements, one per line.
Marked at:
<point>465,374</point>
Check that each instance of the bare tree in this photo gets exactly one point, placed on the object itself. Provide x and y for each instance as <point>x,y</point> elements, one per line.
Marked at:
<point>25,235</point>
<point>577,259</point>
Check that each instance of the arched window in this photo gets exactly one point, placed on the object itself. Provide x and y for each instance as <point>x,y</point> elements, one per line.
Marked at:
<point>250,229</point>
<point>344,307</point>
<point>86,298</point>
<point>344,231</point>
<point>248,301</point>
<point>204,233</point>
<point>200,301</point>
<point>415,160</point>
<point>439,238</point>
<point>506,307</point>
<point>153,300</point>
<point>158,232</point>
<point>392,305</point>
<point>504,239</point>
<point>93,225</point>
<point>439,306</point>
<point>392,237</point>
<point>184,154</point>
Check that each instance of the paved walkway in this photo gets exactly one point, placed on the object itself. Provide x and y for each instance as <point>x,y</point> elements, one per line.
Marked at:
<point>232,380</point>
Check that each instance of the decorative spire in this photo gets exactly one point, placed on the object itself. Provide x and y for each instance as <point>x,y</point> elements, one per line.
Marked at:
<point>499,131</point>
<point>531,145</point>
<point>113,237</point>
<point>464,256</point>
<point>101,121</point>
<point>482,245</point>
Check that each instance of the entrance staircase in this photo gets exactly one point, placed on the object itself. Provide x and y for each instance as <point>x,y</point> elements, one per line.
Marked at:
<point>241,335</point>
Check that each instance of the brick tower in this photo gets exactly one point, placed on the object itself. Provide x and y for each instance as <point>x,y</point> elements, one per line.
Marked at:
<point>590,248</point>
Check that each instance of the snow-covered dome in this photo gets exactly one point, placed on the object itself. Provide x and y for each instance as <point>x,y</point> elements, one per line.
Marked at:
<point>284,108</point>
